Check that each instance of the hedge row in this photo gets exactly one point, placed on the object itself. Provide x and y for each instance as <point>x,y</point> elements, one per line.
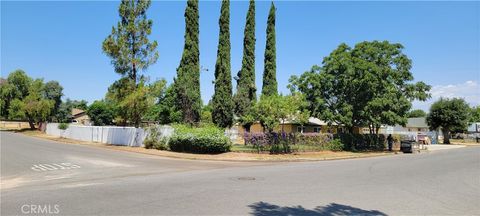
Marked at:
<point>203,140</point>
<point>291,142</point>
<point>362,142</point>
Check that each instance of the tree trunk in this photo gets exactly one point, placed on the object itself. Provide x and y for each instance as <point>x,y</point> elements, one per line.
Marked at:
<point>446,136</point>
<point>247,127</point>
<point>32,125</point>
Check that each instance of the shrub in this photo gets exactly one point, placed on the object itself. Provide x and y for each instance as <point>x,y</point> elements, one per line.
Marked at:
<point>202,140</point>
<point>335,145</point>
<point>287,142</point>
<point>155,139</point>
<point>362,142</point>
<point>313,139</point>
<point>62,126</point>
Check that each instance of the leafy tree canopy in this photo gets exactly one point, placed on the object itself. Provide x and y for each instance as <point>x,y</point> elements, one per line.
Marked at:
<point>53,91</point>
<point>447,115</point>
<point>24,98</point>
<point>368,85</point>
<point>272,110</point>
<point>101,113</point>
<point>416,113</point>
<point>475,114</point>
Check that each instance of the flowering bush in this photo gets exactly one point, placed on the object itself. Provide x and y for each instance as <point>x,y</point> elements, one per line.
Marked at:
<point>288,142</point>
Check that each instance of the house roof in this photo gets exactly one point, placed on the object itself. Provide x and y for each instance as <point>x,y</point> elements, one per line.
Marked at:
<point>76,112</point>
<point>417,122</point>
<point>312,121</point>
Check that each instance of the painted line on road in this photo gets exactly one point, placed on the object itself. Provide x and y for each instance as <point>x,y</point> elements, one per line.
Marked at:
<point>54,166</point>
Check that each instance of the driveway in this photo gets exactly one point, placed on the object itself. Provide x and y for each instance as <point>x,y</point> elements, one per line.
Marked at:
<point>85,180</point>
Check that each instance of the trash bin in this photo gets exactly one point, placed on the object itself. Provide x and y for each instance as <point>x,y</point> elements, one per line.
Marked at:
<point>406,146</point>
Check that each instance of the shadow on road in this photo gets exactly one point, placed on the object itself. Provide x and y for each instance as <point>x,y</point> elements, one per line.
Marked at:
<point>267,209</point>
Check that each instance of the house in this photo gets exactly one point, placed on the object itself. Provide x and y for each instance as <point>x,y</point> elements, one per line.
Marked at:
<point>80,117</point>
<point>413,126</point>
<point>418,125</point>
<point>474,127</point>
<point>314,125</point>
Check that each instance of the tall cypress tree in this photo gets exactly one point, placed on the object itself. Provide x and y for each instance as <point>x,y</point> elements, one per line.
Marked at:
<point>222,103</point>
<point>187,83</point>
<point>246,90</point>
<point>270,63</point>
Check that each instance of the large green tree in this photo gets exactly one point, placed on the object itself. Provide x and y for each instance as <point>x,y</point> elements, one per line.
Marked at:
<point>165,111</point>
<point>272,110</point>
<point>447,115</point>
<point>222,103</point>
<point>116,94</point>
<point>269,86</point>
<point>14,87</point>
<point>101,113</point>
<point>24,98</point>
<point>366,86</point>
<point>246,95</point>
<point>187,82</point>
<point>53,91</point>
<point>137,104</point>
<point>417,113</point>
<point>128,45</point>
<point>34,107</point>
<point>475,114</point>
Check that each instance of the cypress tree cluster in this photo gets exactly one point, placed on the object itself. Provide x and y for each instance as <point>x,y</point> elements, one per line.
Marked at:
<point>222,103</point>
<point>187,82</point>
<point>270,63</point>
<point>246,90</point>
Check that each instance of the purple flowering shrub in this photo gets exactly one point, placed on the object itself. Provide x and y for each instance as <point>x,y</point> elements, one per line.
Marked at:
<point>288,142</point>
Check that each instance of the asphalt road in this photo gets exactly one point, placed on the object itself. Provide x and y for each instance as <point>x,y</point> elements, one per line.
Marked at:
<point>39,176</point>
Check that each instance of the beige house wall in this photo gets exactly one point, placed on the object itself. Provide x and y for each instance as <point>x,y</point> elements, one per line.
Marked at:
<point>291,128</point>
<point>13,125</point>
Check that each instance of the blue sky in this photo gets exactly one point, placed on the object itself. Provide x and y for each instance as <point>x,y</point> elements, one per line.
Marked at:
<point>62,40</point>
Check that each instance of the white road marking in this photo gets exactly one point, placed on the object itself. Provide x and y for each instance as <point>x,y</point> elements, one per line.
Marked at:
<point>54,166</point>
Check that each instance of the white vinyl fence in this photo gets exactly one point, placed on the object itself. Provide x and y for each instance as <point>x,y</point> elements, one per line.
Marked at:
<point>125,136</point>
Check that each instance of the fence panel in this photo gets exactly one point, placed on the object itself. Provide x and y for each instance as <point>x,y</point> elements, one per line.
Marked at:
<point>126,136</point>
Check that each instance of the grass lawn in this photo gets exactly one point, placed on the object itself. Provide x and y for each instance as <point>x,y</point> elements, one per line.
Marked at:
<point>242,148</point>
<point>464,141</point>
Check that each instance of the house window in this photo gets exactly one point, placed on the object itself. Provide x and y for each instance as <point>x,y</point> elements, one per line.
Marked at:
<point>300,129</point>
<point>317,129</point>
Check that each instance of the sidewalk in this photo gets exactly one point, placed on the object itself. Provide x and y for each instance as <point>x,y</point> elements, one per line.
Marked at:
<point>435,147</point>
